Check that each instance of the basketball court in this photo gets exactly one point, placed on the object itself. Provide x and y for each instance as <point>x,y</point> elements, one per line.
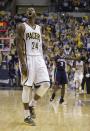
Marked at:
<point>73,115</point>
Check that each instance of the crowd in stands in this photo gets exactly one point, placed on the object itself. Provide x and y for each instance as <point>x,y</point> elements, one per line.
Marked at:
<point>58,31</point>
<point>63,5</point>
<point>71,5</point>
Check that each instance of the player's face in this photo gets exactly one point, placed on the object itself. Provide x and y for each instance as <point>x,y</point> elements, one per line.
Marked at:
<point>61,51</point>
<point>31,13</point>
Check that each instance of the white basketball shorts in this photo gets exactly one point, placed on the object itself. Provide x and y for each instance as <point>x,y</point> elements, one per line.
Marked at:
<point>37,71</point>
<point>78,76</point>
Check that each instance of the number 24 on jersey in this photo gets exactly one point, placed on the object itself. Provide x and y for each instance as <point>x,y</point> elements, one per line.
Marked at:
<point>34,45</point>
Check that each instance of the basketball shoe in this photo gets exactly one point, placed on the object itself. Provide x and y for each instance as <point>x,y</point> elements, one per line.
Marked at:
<point>61,100</point>
<point>29,120</point>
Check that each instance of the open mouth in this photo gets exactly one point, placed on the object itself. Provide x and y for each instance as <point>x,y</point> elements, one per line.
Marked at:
<point>30,13</point>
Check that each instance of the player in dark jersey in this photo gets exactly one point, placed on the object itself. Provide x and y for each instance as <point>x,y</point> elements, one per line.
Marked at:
<point>60,76</point>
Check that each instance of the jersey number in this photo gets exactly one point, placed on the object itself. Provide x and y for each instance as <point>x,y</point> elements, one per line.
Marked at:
<point>62,63</point>
<point>34,45</point>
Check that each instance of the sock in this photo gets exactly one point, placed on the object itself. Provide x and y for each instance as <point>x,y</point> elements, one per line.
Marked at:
<point>26,113</point>
<point>32,103</point>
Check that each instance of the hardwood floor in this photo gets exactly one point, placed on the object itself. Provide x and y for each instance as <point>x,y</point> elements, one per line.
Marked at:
<point>73,115</point>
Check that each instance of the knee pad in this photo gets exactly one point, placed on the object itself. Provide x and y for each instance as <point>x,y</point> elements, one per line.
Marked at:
<point>43,89</point>
<point>25,94</point>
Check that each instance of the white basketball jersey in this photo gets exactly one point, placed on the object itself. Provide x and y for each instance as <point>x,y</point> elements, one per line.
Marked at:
<point>33,40</point>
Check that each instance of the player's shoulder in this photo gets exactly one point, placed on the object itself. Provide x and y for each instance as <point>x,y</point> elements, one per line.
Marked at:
<point>20,26</point>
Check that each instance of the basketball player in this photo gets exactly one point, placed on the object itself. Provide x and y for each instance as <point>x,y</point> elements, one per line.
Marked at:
<point>60,76</point>
<point>33,68</point>
<point>78,73</point>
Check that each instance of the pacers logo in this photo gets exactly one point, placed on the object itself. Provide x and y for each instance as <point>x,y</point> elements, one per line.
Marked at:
<point>33,35</point>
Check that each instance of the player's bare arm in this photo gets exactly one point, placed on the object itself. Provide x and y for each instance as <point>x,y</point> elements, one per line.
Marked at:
<point>20,43</point>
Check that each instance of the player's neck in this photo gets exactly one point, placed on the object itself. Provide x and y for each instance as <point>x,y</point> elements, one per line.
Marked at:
<point>32,23</point>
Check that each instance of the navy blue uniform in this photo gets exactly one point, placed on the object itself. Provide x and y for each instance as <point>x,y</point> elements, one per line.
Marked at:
<point>60,73</point>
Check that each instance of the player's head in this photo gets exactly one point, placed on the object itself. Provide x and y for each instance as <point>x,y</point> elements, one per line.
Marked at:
<point>61,51</point>
<point>31,13</point>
